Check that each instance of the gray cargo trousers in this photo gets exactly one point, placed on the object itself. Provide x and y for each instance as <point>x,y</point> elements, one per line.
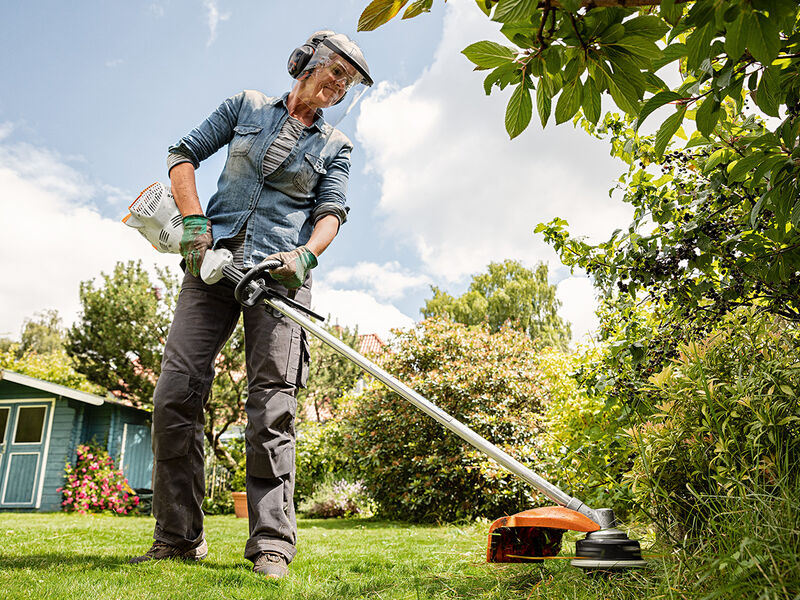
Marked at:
<point>276,353</point>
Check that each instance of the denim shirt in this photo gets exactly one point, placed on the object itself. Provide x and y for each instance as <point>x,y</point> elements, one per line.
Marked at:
<point>280,209</point>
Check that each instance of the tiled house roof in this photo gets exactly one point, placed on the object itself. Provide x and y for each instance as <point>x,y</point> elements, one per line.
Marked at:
<point>370,343</point>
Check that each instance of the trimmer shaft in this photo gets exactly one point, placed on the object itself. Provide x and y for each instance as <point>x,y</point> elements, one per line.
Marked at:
<point>607,550</point>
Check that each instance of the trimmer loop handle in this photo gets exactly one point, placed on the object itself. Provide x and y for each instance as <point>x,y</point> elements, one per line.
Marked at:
<point>248,295</point>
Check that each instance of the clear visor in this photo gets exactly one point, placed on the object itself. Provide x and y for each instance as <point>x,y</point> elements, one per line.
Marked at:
<point>336,113</point>
<point>328,68</point>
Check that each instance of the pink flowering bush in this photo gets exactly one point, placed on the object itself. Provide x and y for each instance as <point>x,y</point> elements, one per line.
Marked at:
<point>94,485</point>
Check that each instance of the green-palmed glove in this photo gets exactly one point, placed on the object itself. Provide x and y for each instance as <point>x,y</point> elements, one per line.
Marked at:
<point>294,268</point>
<point>195,241</point>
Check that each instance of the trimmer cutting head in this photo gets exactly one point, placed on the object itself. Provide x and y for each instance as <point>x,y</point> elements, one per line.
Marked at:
<point>535,535</point>
<point>607,550</point>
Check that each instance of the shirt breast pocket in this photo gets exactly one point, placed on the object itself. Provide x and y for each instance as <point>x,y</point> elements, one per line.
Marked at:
<point>308,174</point>
<point>244,136</point>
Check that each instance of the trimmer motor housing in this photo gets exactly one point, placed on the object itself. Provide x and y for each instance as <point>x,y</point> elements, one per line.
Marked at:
<point>155,215</point>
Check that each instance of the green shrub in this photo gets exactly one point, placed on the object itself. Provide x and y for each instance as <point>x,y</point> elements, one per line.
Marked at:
<point>415,468</point>
<point>221,504</point>
<point>338,498</point>
<point>318,456</point>
<point>728,422</point>
<point>588,449</point>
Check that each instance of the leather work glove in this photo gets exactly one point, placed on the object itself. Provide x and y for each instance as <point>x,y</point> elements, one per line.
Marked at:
<point>195,241</point>
<point>296,265</point>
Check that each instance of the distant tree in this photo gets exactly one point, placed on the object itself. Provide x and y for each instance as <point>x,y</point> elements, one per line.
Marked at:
<point>508,294</point>
<point>416,469</point>
<point>119,336</point>
<point>331,376</point>
<point>43,333</point>
<point>5,344</point>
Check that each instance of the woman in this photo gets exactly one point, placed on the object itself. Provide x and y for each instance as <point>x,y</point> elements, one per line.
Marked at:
<point>281,195</point>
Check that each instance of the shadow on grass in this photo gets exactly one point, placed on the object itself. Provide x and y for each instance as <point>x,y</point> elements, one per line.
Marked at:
<point>82,561</point>
<point>333,524</point>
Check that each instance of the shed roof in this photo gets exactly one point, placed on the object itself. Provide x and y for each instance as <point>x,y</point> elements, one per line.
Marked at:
<point>54,388</point>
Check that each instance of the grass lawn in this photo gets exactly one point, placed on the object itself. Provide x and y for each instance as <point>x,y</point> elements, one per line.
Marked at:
<point>75,556</point>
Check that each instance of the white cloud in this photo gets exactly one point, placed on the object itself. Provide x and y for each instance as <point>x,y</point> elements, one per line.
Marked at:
<point>156,10</point>
<point>455,189</point>
<point>114,62</point>
<point>353,308</point>
<point>52,238</point>
<point>213,18</point>
<point>387,281</point>
<point>5,130</point>
<point>577,306</point>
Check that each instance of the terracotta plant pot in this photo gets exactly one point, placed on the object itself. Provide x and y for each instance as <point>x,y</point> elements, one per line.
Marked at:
<point>240,504</point>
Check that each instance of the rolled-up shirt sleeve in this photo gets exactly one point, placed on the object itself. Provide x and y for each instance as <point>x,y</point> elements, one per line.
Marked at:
<point>212,134</point>
<point>331,198</point>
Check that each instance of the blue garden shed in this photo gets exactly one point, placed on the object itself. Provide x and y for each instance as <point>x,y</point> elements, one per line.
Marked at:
<point>41,426</point>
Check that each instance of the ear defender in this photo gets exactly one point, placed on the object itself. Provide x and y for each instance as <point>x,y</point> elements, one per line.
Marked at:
<point>298,59</point>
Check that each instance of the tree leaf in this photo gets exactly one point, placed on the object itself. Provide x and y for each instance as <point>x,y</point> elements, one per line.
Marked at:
<point>612,33</point>
<point>668,128</point>
<point>552,59</point>
<point>707,116</point>
<point>648,26</point>
<point>657,101</point>
<point>488,55</point>
<point>763,38</point>
<point>625,95</point>
<point>765,167</point>
<point>514,11</point>
<point>758,207</point>
<point>571,5</point>
<point>698,46</point>
<point>543,103</point>
<point>482,5</point>
<point>379,12</point>
<point>796,215</point>
<point>591,101</point>
<point>670,54</point>
<point>671,11</point>
<point>768,90</point>
<point>735,38</point>
<point>742,166</point>
<point>639,46</point>
<point>417,8</point>
<point>519,110</point>
<point>568,102</point>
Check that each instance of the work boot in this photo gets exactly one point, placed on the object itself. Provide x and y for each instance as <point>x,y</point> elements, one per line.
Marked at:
<point>162,551</point>
<point>270,564</point>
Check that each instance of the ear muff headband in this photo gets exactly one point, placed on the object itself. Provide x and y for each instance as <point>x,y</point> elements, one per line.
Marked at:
<point>300,56</point>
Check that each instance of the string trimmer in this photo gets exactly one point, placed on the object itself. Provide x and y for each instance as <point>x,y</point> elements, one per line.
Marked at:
<point>531,535</point>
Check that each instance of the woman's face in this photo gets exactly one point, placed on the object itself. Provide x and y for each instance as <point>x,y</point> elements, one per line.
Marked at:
<point>326,84</point>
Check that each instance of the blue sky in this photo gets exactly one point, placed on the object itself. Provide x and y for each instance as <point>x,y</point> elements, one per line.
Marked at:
<point>92,94</point>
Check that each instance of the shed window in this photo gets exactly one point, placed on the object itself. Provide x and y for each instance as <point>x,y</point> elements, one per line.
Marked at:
<point>3,423</point>
<point>30,424</point>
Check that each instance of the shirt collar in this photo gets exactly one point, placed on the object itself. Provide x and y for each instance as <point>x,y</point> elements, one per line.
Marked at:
<point>319,121</point>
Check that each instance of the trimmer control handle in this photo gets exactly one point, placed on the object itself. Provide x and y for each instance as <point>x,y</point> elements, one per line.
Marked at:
<point>248,295</point>
<point>249,291</point>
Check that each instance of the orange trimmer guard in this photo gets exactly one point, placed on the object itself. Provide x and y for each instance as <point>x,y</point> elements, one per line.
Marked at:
<point>533,535</point>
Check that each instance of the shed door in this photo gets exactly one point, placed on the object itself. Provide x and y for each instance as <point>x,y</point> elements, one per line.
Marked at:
<point>22,452</point>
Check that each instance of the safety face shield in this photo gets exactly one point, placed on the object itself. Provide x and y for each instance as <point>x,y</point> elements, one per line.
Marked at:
<point>339,76</point>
